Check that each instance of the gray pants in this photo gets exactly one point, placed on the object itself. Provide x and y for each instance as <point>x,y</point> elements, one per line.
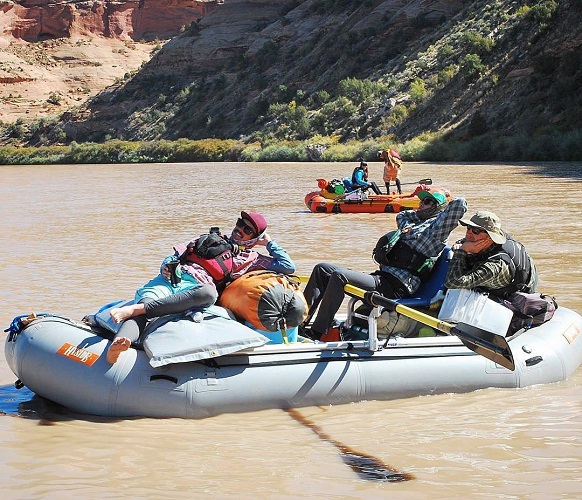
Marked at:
<point>325,289</point>
<point>203,296</point>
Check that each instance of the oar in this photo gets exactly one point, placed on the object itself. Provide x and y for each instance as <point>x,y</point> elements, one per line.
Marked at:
<point>366,466</point>
<point>428,182</point>
<point>487,344</point>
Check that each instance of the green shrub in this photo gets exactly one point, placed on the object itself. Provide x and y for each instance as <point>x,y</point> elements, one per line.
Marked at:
<point>445,52</point>
<point>398,114</point>
<point>543,11</point>
<point>474,43</point>
<point>447,74</point>
<point>478,125</point>
<point>283,153</point>
<point>418,91</point>
<point>472,66</point>
<point>360,90</point>
<point>251,153</point>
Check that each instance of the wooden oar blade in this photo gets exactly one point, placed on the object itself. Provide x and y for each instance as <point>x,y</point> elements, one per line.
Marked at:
<point>372,469</point>
<point>487,344</point>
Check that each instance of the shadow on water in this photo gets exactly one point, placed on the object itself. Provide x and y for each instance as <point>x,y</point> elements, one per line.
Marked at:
<point>571,171</point>
<point>11,398</point>
<point>26,404</point>
<point>366,466</point>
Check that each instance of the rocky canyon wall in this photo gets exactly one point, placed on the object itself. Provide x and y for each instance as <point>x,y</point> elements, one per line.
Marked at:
<point>34,20</point>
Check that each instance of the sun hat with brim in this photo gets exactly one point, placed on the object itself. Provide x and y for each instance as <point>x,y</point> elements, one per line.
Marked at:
<point>440,198</point>
<point>489,222</point>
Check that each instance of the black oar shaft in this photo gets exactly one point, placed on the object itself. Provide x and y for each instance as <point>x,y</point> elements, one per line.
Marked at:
<point>428,182</point>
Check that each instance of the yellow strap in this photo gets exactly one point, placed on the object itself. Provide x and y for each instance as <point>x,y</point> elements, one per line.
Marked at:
<point>284,333</point>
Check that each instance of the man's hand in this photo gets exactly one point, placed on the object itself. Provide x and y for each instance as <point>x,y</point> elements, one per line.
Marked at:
<point>476,246</point>
<point>263,240</point>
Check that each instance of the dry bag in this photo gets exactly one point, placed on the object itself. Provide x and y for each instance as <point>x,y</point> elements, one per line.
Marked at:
<point>265,298</point>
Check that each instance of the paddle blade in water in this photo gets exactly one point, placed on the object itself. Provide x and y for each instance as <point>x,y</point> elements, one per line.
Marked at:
<point>366,466</point>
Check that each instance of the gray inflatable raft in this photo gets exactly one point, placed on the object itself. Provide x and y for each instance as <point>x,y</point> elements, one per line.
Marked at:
<point>234,370</point>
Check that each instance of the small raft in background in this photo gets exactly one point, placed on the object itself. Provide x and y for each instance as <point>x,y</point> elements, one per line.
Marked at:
<point>360,201</point>
<point>331,199</point>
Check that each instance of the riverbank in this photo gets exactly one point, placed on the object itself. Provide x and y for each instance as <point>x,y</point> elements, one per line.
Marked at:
<point>551,147</point>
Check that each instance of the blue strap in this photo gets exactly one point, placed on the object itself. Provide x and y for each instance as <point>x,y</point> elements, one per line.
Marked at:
<point>17,326</point>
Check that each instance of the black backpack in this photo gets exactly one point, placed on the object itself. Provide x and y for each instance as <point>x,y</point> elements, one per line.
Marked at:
<point>210,245</point>
<point>214,253</point>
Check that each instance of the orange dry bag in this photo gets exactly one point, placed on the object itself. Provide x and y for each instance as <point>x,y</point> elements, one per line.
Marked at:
<point>267,300</point>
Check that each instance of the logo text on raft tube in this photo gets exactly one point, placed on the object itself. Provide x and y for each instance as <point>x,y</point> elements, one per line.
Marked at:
<point>78,354</point>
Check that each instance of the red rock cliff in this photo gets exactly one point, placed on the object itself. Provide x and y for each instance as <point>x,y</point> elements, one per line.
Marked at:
<point>34,20</point>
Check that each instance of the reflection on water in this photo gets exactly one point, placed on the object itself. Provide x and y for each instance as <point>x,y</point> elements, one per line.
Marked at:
<point>11,398</point>
<point>77,237</point>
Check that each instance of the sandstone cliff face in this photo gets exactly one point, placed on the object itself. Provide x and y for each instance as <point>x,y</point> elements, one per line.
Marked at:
<point>238,55</point>
<point>34,20</point>
<point>57,54</point>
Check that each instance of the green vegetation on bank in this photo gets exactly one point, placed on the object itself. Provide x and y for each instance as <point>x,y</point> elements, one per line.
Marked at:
<point>428,147</point>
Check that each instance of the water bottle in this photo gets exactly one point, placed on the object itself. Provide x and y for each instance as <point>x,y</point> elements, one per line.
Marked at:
<point>174,275</point>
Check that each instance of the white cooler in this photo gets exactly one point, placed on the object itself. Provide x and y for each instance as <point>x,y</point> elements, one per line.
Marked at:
<point>476,309</point>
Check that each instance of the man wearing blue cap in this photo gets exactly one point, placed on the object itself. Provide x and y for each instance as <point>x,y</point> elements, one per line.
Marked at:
<point>405,256</point>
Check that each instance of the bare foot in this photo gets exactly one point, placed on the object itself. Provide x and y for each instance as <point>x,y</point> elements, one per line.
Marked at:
<point>118,346</point>
<point>120,314</point>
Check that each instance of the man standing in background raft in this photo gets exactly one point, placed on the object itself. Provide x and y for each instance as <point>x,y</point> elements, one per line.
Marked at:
<point>392,167</point>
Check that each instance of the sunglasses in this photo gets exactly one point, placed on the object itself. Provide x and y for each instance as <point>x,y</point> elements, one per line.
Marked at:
<point>428,201</point>
<point>248,230</point>
<point>476,230</point>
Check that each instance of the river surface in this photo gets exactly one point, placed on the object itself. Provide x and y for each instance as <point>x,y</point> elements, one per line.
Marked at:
<point>73,238</point>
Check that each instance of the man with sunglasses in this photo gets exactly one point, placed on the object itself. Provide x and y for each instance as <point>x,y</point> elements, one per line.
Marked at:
<point>422,236</point>
<point>250,231</point>
<point>489,259</point>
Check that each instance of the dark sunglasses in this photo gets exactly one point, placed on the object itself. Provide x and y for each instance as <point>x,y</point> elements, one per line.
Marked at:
<point>476,230</point>
<point>248,230</point>
<point>428,201</point>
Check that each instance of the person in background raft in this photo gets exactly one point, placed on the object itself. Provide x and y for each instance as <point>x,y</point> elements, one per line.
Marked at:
<point>196,288</point>
<point>406,258</point>
<point>489,259</point>
<point>359,179</point>
<point>392,167</point>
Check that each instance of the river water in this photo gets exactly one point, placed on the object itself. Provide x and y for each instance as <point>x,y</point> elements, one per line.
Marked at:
<point>74,237</point>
